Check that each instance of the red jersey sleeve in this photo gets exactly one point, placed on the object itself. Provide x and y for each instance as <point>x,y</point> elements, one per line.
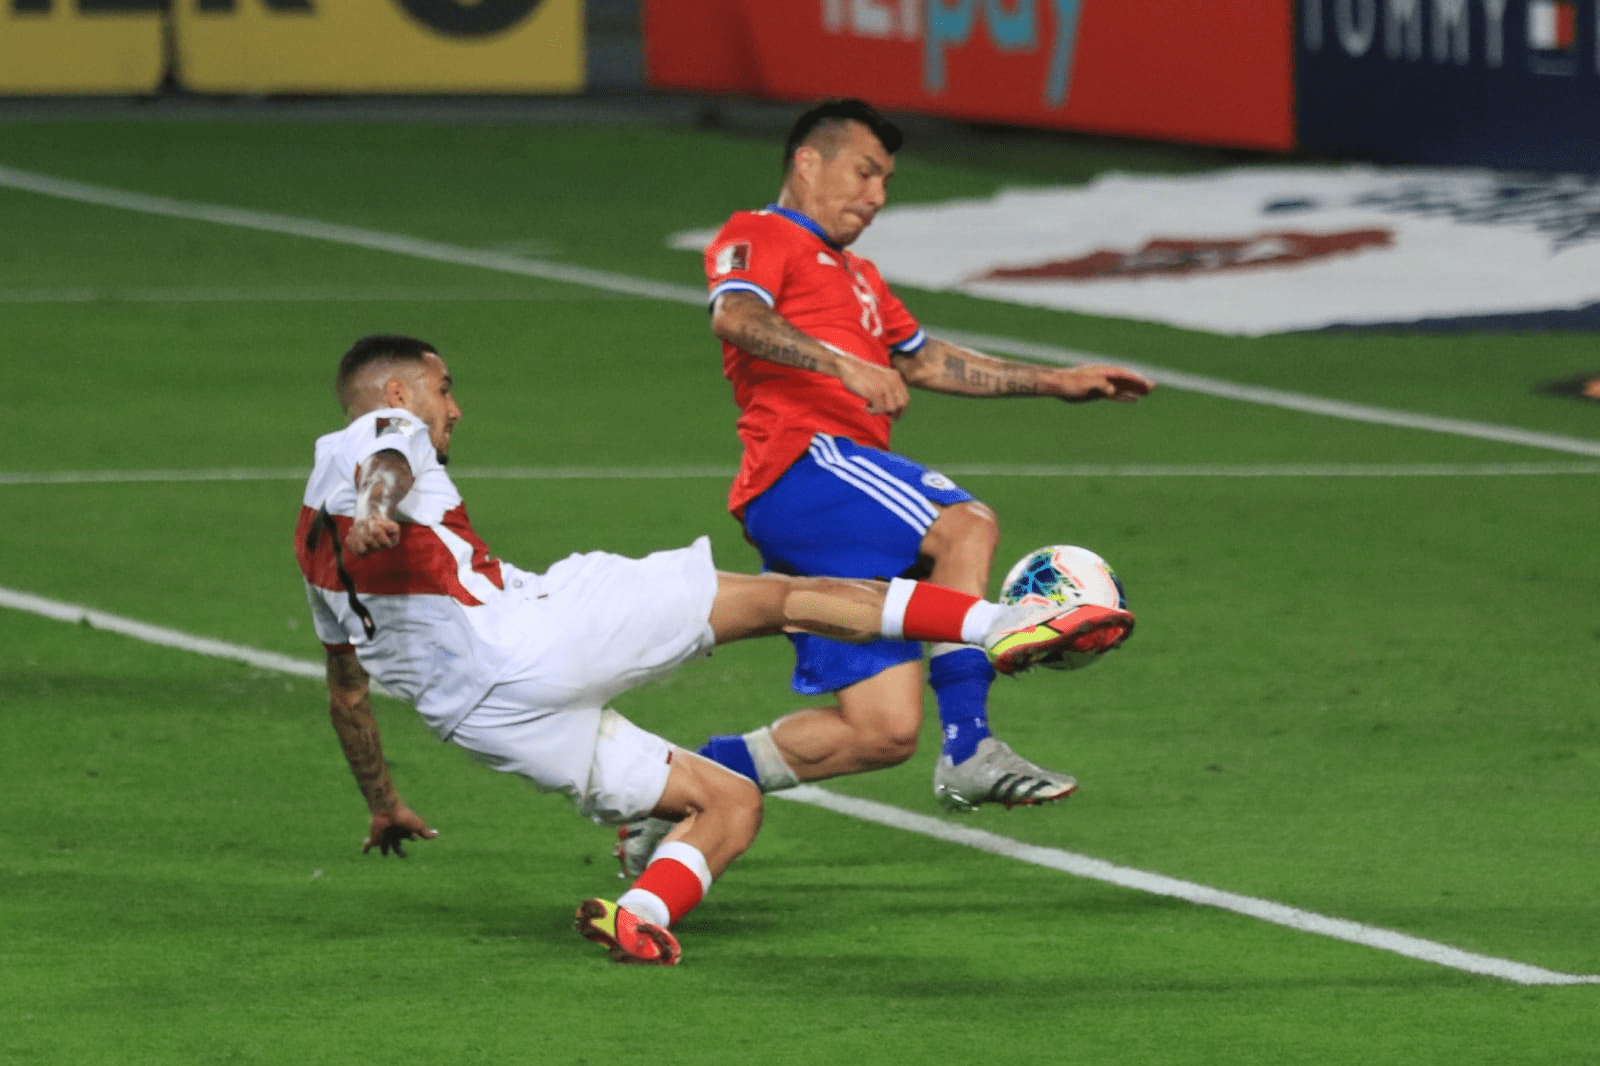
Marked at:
<point>750,254</point>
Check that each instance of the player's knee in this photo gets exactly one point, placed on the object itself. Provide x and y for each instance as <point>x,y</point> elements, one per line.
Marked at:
<point>886,744</point>
<point>970,524</point>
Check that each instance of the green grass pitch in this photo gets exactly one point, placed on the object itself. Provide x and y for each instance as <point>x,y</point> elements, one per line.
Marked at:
<point>1372,698</point>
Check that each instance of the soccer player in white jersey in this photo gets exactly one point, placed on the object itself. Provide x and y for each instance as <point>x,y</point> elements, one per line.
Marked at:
<point>517,667</point>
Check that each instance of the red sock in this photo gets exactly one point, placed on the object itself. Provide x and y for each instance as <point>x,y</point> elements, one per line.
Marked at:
<point>933,612</point>
<point>677,877</point>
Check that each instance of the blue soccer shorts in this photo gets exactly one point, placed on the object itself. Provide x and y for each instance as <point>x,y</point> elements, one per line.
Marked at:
<point>844,510</point>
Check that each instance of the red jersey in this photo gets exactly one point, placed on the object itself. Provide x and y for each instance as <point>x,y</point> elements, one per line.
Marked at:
<point>825,292</point>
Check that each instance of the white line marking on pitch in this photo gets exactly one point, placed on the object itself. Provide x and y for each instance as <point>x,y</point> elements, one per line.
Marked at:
<point>683,473</point>
<point>1202,895</point>
<point>907,821</point>
<point>606,281</point>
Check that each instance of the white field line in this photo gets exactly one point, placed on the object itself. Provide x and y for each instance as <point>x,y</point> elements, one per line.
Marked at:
<point>1052,858</point>
<point>622,284</point>
<point>684,473</point>
<point>1201,895</point>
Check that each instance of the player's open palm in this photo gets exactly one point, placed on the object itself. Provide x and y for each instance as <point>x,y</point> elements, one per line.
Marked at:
<point>1093,381</point>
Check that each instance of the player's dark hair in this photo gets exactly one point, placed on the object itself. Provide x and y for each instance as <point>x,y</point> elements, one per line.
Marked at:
<point>375,348</point>
<point>837,111</point>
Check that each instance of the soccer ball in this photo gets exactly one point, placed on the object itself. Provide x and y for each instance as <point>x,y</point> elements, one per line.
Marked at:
<point>1065,574</point>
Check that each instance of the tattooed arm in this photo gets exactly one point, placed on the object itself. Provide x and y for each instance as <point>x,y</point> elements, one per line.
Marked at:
<point>743,320</point>
<point>381,483</point>
<point>940,366</point>
<point>350,708</point>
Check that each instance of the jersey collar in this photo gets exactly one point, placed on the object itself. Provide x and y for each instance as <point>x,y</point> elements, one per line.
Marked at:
<point>805,222</point>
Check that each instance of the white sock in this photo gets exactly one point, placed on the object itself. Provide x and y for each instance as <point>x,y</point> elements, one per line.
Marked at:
<point>892,625</point>
<point>646,905</point>
<point>772,772</point>
<point>982,617</point>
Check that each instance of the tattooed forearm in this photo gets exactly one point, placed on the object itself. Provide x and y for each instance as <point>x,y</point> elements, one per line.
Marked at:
<point>350,710</point>
<point>747,323</point>
<point>780,342</point>
<point>988,377</point>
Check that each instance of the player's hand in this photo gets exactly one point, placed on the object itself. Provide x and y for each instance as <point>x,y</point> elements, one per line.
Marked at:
<point>882,387</point>
<point>1096,382</point>
<point>388,830</point>
<point>368,535</point>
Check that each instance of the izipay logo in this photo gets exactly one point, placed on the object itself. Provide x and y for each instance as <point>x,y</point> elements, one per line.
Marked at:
<point>1012,25</point>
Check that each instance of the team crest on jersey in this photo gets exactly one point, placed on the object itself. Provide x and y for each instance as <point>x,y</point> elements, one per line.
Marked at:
<point>935,480</point>
<point>731,257</point>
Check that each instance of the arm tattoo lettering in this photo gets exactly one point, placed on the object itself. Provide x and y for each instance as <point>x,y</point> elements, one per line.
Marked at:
<point>779,342</point>
<point>754,327</point>
<point>1001,380</point>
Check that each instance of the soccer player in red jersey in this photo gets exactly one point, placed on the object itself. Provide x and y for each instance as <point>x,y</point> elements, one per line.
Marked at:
<point>821,355</point>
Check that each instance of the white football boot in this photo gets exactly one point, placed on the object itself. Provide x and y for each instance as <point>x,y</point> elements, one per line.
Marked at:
<point>996,774</point>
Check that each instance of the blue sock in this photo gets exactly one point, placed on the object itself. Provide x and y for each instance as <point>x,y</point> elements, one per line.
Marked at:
<point>960,680</point>
<point>732,752</point>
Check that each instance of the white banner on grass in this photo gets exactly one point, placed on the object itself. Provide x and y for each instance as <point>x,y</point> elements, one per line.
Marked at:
<point>1262,250</point>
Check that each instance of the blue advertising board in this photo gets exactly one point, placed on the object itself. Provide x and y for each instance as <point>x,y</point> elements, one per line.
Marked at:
<point>1501,83</point>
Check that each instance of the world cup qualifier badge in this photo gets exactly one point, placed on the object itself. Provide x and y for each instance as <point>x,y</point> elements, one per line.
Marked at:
<point>384,426</point>
<point>731,257</point>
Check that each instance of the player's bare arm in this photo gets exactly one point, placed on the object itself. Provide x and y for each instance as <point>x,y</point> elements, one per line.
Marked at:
<point>381,483</point>
<point>941,366</point>
<point>744,320</point>
<point>350,709</point>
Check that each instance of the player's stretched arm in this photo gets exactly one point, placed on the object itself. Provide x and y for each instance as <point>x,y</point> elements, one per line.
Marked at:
<point>941,366</point>
<point>350,708</point>
<point>744,320</point>
<point>381,483</point>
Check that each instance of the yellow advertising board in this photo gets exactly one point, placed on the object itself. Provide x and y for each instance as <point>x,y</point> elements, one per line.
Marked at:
<point>81,46</point>
<point>383,46</point>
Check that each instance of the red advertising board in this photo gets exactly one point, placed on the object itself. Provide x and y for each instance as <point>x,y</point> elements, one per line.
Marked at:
<point>1204,71</point>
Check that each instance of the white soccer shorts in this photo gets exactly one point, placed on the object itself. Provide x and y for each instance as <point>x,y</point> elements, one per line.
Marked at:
<point>602,624</point>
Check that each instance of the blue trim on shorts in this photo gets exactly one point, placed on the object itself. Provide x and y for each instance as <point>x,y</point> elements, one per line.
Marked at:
<point>846,510</point>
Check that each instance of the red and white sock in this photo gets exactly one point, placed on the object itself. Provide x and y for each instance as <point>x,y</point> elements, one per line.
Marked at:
<point>918,610</point>
<point>676,880</point>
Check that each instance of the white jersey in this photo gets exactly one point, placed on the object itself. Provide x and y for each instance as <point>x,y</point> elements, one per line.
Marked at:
<point>444,610</point>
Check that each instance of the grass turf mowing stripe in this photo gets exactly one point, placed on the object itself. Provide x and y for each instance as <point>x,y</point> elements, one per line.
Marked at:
<point>675,473</point>
<point>907,821</point>
<point>622,284</point>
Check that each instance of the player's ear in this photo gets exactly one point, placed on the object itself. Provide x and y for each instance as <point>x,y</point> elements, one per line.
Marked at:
<point>806,160</point>
<point>396,393</point>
